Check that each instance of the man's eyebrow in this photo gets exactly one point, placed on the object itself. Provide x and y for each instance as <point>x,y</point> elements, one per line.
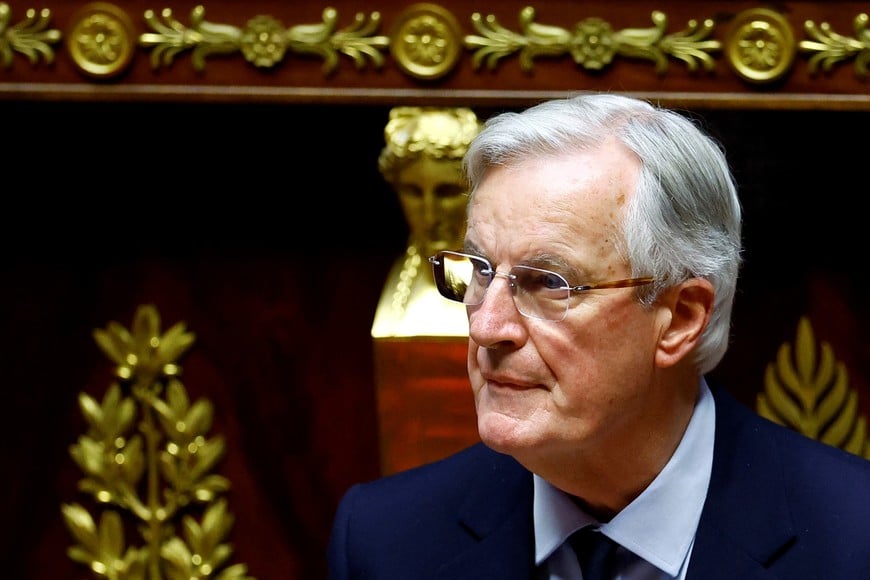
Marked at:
<point>544,260</point>
<point>550,261</point>
<point>471,248</point>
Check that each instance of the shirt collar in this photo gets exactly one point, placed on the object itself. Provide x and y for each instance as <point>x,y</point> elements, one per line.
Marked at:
<point>659,525</point>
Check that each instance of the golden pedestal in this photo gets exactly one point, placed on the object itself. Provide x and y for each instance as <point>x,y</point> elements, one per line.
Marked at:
<point>425,405</point>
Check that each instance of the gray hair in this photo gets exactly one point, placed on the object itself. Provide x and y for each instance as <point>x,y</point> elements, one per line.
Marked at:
<point>684,220</point>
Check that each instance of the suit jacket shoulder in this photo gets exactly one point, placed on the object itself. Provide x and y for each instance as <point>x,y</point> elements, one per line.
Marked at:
<point>780,505</point>
<point>466,516</point>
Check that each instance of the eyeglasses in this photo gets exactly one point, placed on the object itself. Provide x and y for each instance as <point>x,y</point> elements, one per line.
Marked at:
<point>537,293</point>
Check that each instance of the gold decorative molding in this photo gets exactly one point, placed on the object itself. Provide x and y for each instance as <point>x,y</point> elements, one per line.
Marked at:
<point>427,41</point>
<point>592,43</point>
<point>264,41</point>
<point>812,396</point>
<point>147,460</point>
<point>829,48</point>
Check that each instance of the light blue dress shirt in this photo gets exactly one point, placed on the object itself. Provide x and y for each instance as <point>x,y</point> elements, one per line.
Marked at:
<point>656,531</point>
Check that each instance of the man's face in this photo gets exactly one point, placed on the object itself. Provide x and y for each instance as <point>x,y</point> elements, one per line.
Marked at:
<point>545,388</point>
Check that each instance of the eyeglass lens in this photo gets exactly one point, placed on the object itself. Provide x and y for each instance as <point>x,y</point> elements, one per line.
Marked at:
<point>537,293</point>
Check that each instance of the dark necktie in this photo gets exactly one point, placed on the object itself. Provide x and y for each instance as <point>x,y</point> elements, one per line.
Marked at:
<point>594,552</point>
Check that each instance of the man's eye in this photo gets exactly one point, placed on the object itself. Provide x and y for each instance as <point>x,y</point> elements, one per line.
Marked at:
<point>481,268</point>
<point>551,280</point>
<point>537,280</point>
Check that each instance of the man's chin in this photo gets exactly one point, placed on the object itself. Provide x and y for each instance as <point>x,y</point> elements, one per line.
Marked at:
<point>502,433</point>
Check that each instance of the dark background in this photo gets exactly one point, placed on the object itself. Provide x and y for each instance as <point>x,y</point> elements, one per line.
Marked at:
<point>269,232</point>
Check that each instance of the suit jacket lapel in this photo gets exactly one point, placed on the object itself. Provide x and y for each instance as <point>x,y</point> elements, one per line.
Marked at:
<point>498,515</point>
<point>746,519</point>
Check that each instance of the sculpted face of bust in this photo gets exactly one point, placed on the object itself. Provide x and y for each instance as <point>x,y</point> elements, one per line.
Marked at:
<point>422,159</point>
<point>433,197</point>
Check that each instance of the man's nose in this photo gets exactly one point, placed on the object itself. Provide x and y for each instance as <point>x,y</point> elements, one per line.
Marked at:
<point>496,321</point>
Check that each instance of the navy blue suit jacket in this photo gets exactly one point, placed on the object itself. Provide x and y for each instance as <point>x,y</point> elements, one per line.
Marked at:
<point>780,506</point>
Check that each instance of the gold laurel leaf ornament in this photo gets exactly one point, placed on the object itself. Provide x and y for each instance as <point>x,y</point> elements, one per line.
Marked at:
<point>807,390</point>
<point>148,461</point>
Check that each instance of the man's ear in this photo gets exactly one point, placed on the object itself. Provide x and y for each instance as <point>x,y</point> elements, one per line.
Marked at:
<point>685,313</point>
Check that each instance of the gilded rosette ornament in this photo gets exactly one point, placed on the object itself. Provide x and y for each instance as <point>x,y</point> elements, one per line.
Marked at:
<point>147,459</point>
<point>810,394</point>
<point>102,40</point>
<point>31,37</point>
<point>264,41</point>
<point>592,43</point>
<point>426,41</point>
<point>761,45</point>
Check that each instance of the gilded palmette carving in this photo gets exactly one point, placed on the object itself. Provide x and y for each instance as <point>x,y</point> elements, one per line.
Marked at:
<point>30,37</point>
<point>357,41</point>
<point>829,48</point>
<point>264,41</point>
<point>592,43</point>
<point>147,459</point>
<point>761,45</point>
<point>812,396</point>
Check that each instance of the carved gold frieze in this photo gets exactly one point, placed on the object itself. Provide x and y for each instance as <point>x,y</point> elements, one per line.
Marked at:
<point>807,389</point>
<point>828,48</point>
<point>761,45</point>
<point>264,41</point>
<point>30,37</point>
<point>592,42</point>
<point>426,41</point>
<point>148,460</point>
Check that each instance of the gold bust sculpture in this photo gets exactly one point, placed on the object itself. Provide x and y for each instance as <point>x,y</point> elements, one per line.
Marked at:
<point>422,160</point>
